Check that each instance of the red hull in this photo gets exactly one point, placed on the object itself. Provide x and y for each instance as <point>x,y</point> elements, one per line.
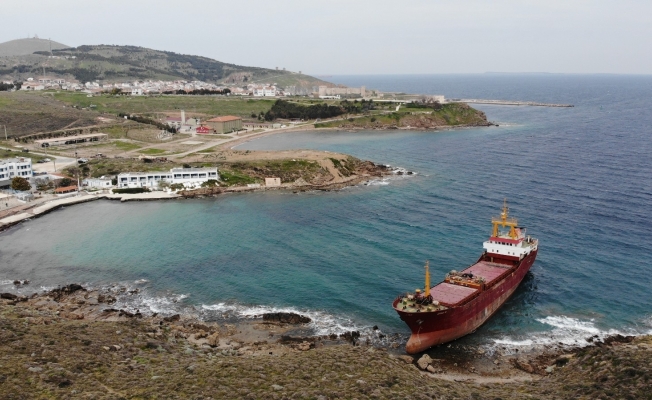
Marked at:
<point>437,327</point>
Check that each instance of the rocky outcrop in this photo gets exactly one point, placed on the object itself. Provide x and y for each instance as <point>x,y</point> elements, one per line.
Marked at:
<point>286,318</point>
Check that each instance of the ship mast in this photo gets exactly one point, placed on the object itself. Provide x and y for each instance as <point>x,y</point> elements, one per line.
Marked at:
<point>504,221</point>
<point>427,291</point>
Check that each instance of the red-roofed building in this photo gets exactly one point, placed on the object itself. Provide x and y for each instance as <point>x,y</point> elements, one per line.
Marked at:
<point>225,124</point>
<point>203,130</point>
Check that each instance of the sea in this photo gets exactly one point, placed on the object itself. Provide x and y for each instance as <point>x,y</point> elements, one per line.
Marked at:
<point>579,179</point>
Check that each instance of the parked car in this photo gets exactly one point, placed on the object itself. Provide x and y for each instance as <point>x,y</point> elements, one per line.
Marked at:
<point>82,160</point>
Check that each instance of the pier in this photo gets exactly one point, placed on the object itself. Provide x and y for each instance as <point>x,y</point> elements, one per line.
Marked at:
<point>509,103</point>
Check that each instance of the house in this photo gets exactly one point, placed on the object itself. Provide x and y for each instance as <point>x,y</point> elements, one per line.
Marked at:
<point>225,124</point>
<point>13,167</point>
<point>97,183</point>
<point>188,177</point>
<point>136,92</point>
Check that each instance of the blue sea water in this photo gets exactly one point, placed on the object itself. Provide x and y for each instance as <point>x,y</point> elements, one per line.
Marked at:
<point>578,178</point>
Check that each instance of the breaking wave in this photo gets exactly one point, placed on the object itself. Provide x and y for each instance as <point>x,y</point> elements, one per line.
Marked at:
<point>565,332</point>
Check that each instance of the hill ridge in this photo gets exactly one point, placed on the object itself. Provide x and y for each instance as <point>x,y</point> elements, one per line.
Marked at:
<point>116,63</point>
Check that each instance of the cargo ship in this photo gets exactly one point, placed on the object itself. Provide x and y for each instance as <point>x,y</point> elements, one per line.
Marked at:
<point>465,299</point>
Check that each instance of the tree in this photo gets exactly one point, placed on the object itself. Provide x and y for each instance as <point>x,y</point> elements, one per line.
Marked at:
<point>20,183</point>
<point>65,182</point>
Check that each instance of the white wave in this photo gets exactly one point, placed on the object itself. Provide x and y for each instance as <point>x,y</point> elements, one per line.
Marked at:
<point>141,281</point>
<point>6,282</point>
<point>565,332</point>
<point>377,182</point>
<point>322,323</point>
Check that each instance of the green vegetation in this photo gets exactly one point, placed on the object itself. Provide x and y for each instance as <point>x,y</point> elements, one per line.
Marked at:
<point>152,152</point>
<point>452,114</point>
<point>126,146</point>
<point>232,178</point>
<point>4,153</point>
<point>210,183</point>
<point>287,110</point>
<point>157,106</point>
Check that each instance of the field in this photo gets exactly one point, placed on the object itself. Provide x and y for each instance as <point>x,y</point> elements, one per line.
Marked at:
<point>169,105</point>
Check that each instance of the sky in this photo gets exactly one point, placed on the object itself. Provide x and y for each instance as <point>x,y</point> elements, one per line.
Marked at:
<point>336,37</point>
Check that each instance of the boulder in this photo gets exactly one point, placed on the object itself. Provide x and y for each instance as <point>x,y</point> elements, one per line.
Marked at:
<point>304,346</point>
<point>8,296</point>
<point>424,362</point>
<point>286,318</point>
<point>431,369</point>
<point>213,340</point>
<point>524,366</point>
<point>406,359</point>
<point>172,318</point>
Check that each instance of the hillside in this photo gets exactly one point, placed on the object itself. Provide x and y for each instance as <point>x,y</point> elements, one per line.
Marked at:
<point>128,63</point>
<point>20,47</point>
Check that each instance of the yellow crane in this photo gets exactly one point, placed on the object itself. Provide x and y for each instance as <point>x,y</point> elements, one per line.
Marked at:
<point>504,221</point>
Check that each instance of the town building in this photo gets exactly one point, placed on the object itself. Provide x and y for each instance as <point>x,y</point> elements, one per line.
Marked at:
<point>326,91</point>
<point>66,140</point>
<point>97,183</point>
<point>265,91</point>
<point>225,124</point>
<point>13,167</point>
<point>188,177</point>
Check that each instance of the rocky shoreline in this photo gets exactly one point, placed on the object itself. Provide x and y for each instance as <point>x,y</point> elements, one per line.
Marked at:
<point>72,342</point>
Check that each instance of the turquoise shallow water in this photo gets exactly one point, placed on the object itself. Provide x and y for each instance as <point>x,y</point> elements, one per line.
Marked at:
<point>578,179</point>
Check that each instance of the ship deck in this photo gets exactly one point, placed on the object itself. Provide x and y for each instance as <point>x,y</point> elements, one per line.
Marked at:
<point>491,272</point>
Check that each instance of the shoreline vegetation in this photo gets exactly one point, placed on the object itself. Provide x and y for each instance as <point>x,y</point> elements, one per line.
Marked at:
<point>72,342</point>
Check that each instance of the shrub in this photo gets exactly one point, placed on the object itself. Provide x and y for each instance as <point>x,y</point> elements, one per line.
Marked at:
<point>210,183</point>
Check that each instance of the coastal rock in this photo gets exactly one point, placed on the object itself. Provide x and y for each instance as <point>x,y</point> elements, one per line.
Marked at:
<point>431,369</point>
<point>8,296</point>
<point>286,318</point>
<point>406,359</point>
<point>172,318</point>
<point>213,340</point>
<point>304,346</point>
<point>351,336</point>
<point>523,366</point>
<point>105,298</point>
<point>58,293</point>
<point>424,362</point>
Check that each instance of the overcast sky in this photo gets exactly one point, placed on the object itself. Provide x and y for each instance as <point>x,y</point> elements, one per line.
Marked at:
<point>360,36</point>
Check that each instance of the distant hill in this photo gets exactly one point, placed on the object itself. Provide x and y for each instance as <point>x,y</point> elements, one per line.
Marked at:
<point>20,47</point>
<point>128,63</point>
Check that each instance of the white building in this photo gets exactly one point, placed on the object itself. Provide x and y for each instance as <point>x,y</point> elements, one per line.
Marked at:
<point>188,177</point>
<point>13,167</point>
<point>265,91</point>
<point>136,92</point>
<point>97,183</point>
